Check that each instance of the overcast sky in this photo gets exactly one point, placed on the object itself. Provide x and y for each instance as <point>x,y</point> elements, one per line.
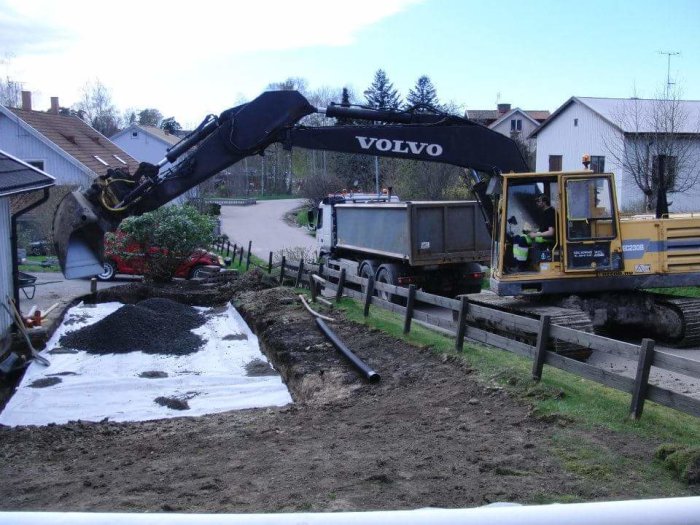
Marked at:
<point>188,59</point>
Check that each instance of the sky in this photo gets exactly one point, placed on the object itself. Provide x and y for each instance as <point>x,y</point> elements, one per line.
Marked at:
<point>190,59</point>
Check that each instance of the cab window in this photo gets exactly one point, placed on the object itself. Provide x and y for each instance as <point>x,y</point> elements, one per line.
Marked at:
<point>590,213</point>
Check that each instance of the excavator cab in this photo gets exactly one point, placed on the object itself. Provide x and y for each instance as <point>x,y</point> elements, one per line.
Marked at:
<point>586,240</point>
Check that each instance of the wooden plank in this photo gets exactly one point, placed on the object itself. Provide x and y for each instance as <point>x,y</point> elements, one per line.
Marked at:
<point>596,342</point>
<point>436,300</point>
<point>390,288</point>
<point>641,378</point>
<point>387,305</point>
<point>674,400</point>
<point>461,323</point>
<point>675,363</point>
<point>510,345</point>
<point>435,322</point>
<point>541,347</point>
<point>410,302</point>
<point>598,375</point>
<point>508,321</point>
<point>355,279</point>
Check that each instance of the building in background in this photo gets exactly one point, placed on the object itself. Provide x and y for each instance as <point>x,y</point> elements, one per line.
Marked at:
<point>145,143</point>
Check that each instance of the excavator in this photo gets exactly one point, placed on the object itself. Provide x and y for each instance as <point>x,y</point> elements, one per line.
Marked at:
<point>589,275</point>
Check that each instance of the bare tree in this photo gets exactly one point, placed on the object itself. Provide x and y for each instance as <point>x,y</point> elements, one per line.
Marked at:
<point>10,90</point>
<point>655,142</point>
<point>96,104</point>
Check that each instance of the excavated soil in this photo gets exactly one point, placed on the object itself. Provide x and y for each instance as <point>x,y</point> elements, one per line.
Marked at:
<point>428,434</point>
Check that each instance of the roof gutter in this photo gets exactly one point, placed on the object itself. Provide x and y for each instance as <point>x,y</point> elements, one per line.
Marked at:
<point>13,242</point>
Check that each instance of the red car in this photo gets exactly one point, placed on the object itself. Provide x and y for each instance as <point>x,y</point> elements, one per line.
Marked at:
<point>135,262</point>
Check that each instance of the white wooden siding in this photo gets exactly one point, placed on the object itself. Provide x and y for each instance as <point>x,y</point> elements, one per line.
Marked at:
<point>25,146</point>
<point>144,147</point>
<point>5,263</point>
<point>504,127</point>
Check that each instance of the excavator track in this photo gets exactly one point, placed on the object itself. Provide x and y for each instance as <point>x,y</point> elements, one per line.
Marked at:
<point>688,310</point>
<point>568,317</point>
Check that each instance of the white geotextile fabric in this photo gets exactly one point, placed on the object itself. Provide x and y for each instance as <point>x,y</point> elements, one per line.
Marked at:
<point>96,387</point>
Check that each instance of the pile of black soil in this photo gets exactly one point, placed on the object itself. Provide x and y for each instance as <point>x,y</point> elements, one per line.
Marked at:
<point>152,326</point>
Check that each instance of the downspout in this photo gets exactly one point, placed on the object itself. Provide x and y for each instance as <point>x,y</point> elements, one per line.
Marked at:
<point>13,242</point>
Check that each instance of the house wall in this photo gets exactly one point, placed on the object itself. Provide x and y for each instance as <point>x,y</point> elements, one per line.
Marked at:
<point>5,263</point>
<point>25,146</point>
<point>504,127</point>
<point>143,147</point>
<point>562,137</point>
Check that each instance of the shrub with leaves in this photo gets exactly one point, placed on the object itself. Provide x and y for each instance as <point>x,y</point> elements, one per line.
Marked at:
<point>168,235</point>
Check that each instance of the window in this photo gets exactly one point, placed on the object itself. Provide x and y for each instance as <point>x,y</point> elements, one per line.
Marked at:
<point>589,210</point>
<point>598,163</point>
<point>38,164</point>
<point>134,134</point>
<point>516,124</point>
<point>555,162</point>
<point>575,122</point>
<point>666,165</point>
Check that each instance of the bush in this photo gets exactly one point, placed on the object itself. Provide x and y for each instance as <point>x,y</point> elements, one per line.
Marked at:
<point>168,235</point>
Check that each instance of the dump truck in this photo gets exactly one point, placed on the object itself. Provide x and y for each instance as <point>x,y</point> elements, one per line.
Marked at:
<point>439,246</point>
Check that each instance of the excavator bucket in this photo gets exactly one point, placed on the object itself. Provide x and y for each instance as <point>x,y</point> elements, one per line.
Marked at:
<point>78,231</point>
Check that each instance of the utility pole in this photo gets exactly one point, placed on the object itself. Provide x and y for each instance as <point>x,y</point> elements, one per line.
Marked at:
<point>669,54</point>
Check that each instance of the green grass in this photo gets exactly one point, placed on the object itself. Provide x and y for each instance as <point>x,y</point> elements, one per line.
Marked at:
<point>33,264</point>
<point>686,291</point>
<point>572,404</point>
<point>302,218</point>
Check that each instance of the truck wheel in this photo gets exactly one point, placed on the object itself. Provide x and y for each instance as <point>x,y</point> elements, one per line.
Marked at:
<point>389,274</point>
<point>366,271</point>
<point>108,272</point>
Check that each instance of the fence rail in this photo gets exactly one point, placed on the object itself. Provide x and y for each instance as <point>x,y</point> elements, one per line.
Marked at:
<point>318,276</point>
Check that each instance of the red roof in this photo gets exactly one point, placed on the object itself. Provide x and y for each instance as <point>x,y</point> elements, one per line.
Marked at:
<point>79,140</point>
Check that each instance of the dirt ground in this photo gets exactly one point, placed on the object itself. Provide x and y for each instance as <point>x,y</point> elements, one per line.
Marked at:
<point>428,434</point>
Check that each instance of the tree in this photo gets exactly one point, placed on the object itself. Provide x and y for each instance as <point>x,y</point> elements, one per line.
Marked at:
<point>652,142</point>
<point>98,109</point>
<point>10,90</point>
<point>170,125</point>
<point>423,96</point>
<point>150,117</point>
<point>381,93</point>
<point>292,83</point>
<point>168,235</point>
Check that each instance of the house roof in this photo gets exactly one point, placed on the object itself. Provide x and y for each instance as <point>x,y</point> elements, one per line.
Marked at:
<point>77,139</point>
<point>492,115</point>
<point>618,112</point>
<point>168,138</point>
<point>17,176</point>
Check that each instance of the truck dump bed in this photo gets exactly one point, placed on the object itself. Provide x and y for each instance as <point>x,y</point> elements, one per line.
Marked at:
<point>420,233</point>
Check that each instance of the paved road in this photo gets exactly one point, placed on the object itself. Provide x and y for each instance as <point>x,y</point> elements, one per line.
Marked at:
<point>263,224</point>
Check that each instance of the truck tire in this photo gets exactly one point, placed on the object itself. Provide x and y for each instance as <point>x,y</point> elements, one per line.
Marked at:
<point>389,274</point>
<point>367,270</point>
<point>108,272</point>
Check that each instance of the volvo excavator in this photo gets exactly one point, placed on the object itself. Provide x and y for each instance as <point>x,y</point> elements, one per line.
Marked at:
<point>590,276</point>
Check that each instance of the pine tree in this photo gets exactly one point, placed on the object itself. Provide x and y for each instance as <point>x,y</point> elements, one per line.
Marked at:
<point>423,95</point>
<point>381,93</point>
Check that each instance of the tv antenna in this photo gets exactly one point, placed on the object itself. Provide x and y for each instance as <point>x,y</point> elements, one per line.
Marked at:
<point>669,54</point>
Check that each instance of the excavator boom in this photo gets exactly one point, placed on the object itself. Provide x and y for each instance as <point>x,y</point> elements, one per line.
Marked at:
<point>83,217</point>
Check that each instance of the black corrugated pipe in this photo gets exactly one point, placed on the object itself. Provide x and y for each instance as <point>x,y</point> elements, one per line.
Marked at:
<point>13,242</point>
<point>370,374</point>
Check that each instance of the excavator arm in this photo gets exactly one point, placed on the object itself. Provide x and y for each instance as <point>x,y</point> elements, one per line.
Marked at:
<point>83,217</point>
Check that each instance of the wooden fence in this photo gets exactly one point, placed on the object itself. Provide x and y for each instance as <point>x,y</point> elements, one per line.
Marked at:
<point>541,331</point>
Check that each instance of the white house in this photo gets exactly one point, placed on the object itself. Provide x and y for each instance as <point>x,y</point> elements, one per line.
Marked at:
<point>65,146</point>
<point>611,131</point>
<point>145,143</point>
<point>18,181</point>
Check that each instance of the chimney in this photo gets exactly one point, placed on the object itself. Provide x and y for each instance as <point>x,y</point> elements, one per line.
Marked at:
<point>27,100</point>
<point>503,109</point>
<point>54,106</point>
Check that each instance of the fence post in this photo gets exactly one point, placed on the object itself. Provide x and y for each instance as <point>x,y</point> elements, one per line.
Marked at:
<point>462,323</point>
<point>300,273</point>
<point>269,264</point>
<point>409,308</point>
<point>641,379</point>
<point>284,262</point>
<point>235,249</point>
<point>312,286</point>
<point>541,347</point>
<point>247,258</point>
<point>341,285</point>
<point>228,248</point>
<point>369,294</point>
<point>240,258</point>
